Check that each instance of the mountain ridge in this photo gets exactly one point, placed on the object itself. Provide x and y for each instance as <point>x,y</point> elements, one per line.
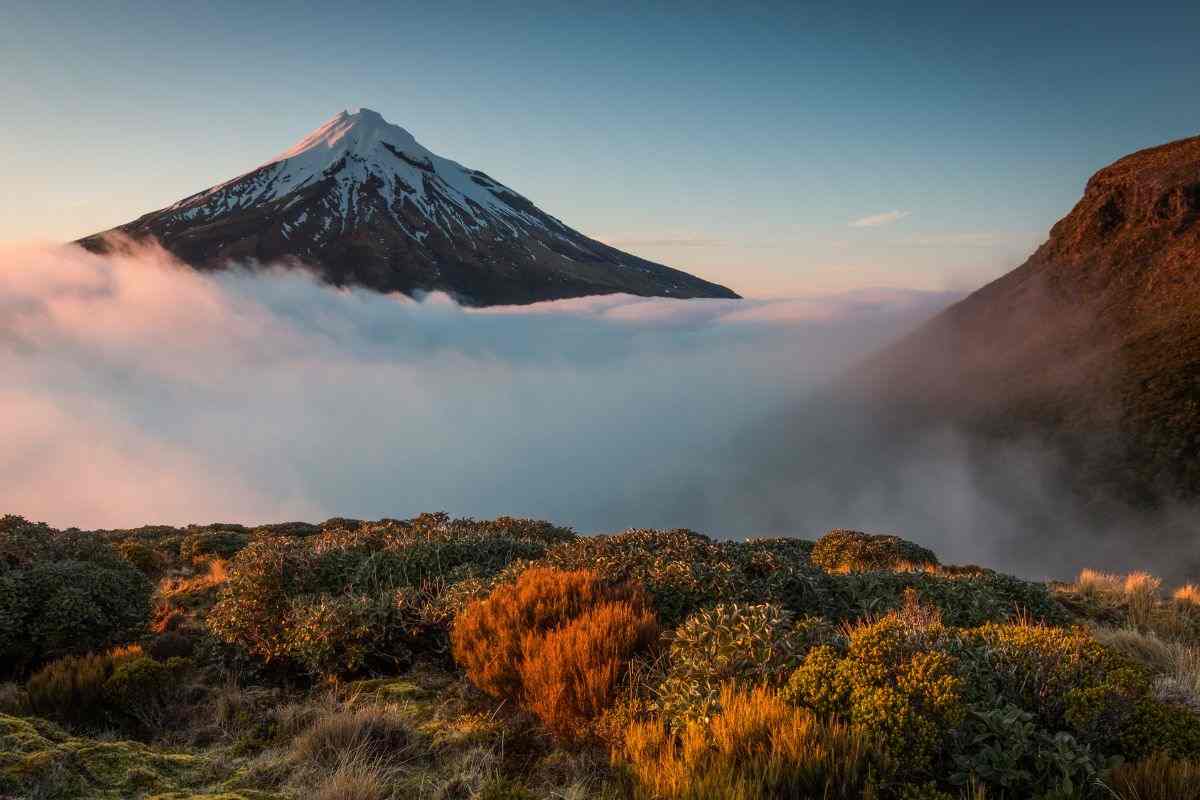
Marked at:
<point>361,202</point>
<point>1092,343</point>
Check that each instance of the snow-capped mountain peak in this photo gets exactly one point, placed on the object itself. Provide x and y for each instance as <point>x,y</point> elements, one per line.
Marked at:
<point>362,201</point>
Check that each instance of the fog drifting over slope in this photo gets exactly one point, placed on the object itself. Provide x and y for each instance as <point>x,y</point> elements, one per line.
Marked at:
<point>138,391</point>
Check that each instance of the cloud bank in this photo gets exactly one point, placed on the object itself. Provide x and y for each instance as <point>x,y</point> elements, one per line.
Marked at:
<point>139,391</point>
<point>875,220</point>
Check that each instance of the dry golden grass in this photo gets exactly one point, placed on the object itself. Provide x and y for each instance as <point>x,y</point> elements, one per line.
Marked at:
<point>216,574</point>
<point>1188,595</point>
<point>1158,777</point>
<point>1145,648</point>
<point>1100,586</point>
<point>757,746</point>
<point>358,776</point>
<point>1175,664</point>
<point>369,730</point>
<point>1141,591</point>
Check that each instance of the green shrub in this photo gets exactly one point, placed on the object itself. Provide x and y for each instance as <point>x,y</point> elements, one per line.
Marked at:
<point>843,550</point>
<point>170,645</point>
<point>64,592</point>
<point>895,683</point>
<point>748,644</point>
<point>366,595</point>
<point>965,599</point>
<point>205,544</point>
<point>1004,750</point>
<point>143,556</point>
<point>684,571</point>
<point>121,687</point>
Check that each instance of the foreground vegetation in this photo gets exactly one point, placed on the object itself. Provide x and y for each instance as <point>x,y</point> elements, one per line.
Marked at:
<point>512,659</point>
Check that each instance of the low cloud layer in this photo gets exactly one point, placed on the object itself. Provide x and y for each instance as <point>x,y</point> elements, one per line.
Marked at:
<point>139,391</point>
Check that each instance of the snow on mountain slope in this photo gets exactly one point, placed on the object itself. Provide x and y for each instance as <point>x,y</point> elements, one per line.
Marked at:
<point>360,201</point>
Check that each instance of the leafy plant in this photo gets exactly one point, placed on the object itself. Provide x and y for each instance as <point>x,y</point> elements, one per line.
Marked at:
<point>63,592</point>
<point>1004,749</point>
<point>746,644</point>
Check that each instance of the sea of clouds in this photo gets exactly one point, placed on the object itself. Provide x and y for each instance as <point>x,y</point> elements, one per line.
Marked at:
<point>136,390</point>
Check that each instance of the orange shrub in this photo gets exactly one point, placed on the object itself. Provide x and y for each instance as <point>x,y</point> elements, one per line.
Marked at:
<point>556,640</point>
<point>571,674</point>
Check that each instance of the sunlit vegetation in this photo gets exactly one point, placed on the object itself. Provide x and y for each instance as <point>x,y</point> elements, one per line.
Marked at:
<point>512,659</point>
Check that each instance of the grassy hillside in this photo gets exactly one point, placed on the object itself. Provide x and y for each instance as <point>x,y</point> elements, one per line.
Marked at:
<point>510,658</point>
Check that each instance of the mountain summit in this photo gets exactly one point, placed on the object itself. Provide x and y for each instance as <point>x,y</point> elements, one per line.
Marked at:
<point>361,202</point>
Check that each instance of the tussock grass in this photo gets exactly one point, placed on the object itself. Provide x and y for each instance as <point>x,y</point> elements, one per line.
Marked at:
<point>1188,595</point>
<point>757,746</point>
<point>1158,777</point>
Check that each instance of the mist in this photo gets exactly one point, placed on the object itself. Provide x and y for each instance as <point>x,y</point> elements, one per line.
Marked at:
<point>140,391</point>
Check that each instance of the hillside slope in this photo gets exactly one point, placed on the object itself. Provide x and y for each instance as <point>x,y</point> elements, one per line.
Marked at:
<point>1093,343</point>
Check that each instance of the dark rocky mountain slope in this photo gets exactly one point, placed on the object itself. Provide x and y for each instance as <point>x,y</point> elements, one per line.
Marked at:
<point>1092,344</point>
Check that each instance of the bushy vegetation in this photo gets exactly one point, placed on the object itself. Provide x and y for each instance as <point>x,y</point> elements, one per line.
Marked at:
<point>63,592</point>
<point>354,598</point>
<point>557,641</point>
<point>443,658</point>
<point>854,551</point>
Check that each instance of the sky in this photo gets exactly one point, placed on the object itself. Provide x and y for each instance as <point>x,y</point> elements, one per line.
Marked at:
<point>777,149</point>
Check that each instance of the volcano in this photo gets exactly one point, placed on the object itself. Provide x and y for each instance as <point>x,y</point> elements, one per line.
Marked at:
<point>361,203</point>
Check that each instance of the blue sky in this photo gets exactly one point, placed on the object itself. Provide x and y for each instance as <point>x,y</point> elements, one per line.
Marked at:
<point>740,145</point>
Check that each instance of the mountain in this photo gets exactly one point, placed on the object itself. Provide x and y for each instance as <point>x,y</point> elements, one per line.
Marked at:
<point>360,202</point>
<point>1092,344</point>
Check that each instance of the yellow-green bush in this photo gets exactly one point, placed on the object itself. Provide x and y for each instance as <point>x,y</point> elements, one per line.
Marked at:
<point>893,684</point>
<point>843,550</point>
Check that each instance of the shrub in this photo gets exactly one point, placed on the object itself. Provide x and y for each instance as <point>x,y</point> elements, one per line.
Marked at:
<point>1156,777</point>
<point>683,571</point>
<point>748,644</point>
<point>558,641</point>
<point>122,688</point>
<point>1004,750</point>
<point>894,683</point>
<point>756,746</point>
<point>170,645</point>
<point>854,551</point>
<point>368,596</point>
<point>205,544</point>
<point>63,593</point>
<point>143,556</point>
<point>572,674</point>
<point>964,599</point>
<point>488,637</point>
